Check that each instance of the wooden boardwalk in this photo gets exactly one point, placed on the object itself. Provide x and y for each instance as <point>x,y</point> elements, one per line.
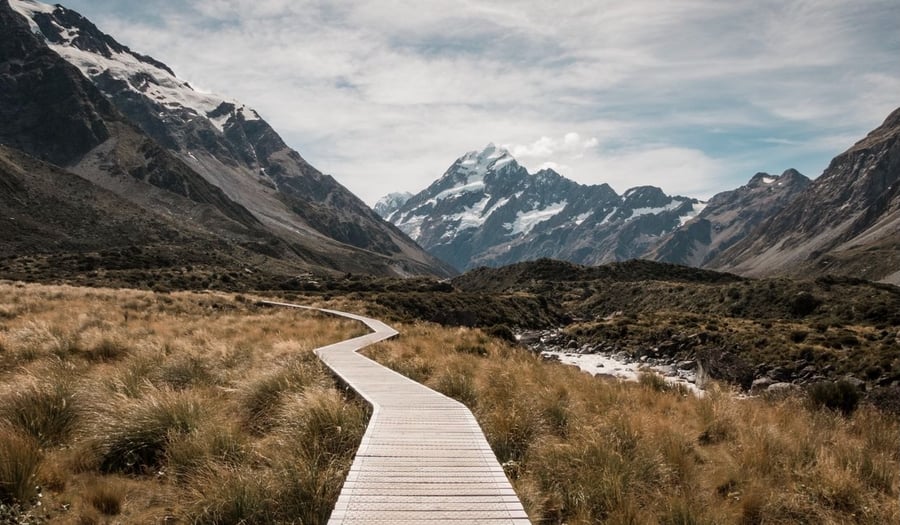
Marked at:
<point>423,458</point>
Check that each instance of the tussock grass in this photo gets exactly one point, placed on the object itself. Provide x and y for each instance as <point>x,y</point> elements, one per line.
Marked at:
<point>136,435</point>
<point>105,496</point>
<point>47,410</point>
<point>262,397</point>
<point>20,459</point>
<point>582,450</point>
<point>138,407</point>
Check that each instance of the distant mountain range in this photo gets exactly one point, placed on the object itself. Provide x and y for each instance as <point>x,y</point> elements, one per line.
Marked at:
<point>487,210</point>
<point>77,106</point>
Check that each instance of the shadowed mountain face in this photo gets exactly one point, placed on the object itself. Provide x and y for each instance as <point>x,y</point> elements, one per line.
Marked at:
<point>76,98</point>
<point>846,222</point>
<point>728,217</point>
<point>488,210</point>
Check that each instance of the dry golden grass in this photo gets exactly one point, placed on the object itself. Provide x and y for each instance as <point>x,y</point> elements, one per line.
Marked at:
<point>584,450</point>
<point>135,407</point>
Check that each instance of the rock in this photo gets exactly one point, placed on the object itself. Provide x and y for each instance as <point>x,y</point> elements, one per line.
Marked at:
<point>808,371</point>
<point>686,365</point>
<point>760,384</point>
<point>781,389</point>
<point>779,374</point>
<point>856,382</point>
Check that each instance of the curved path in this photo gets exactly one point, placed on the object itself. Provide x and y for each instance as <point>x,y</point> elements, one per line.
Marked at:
<point>423,458</point>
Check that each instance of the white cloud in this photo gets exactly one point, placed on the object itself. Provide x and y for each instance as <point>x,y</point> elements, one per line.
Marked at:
<point>570,145</point>
<point>385,95</point>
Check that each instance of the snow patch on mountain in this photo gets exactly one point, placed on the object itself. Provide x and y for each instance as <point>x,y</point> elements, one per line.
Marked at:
<point>695,210</point>
<point>674,205</point>
<point>471,217</point>
<point>527,220</point>
<point>28,8</point>
<point>390,203</point>
<point>581,218</point>
<point>140,76</point>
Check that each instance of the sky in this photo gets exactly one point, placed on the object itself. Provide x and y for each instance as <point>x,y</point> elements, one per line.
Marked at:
<point>694,96</point>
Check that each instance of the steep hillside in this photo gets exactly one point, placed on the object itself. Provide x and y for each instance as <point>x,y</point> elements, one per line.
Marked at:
<point>729,217</point>
<point>126,122</point>
<point>847,221</point>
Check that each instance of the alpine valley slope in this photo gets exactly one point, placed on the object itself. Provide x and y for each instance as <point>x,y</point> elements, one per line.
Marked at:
<point>846,222</point>
<point>76,98</point>
<point>728,217</point>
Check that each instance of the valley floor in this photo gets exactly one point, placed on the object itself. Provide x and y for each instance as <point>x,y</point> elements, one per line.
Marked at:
<point>139,407</point>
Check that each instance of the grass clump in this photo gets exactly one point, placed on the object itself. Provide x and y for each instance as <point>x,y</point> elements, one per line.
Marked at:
<point>20,458</point>
<point>262,398</point>
<point>234,496</point>
<point>46,410</point>
<point>137,436</point>
<point>105,496</point>
<point>323,423</point>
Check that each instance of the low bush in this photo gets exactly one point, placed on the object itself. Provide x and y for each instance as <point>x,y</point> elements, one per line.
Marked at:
<point>840,395</point>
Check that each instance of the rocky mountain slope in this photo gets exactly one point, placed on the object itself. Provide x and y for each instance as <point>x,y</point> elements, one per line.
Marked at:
<point>729,217</point>
<point>846,222</point>
<point>76,98</point>
<point>488,210</point>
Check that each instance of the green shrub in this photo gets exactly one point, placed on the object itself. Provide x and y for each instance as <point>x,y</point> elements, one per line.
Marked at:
<point>501,331</point>
<point>472,349</point>
<point>841,395</point>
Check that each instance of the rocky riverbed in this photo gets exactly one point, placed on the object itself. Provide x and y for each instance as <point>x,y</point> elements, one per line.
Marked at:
<point>606,361</point>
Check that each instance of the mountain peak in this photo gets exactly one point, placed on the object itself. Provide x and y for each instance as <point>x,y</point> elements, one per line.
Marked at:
<point>390,203</point>
<point>790,176</point>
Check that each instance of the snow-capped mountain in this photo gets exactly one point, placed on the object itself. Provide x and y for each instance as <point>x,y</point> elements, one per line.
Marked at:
<point>728,217</point>
<point>136,117</point>
<point>390,203</point>
<point>488,210</point>
<point>847,221</point>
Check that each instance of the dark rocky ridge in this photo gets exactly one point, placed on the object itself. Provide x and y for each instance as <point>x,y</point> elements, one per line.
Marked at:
<point>847,221</point>
<point>52,112</point>
<point>728,218</point>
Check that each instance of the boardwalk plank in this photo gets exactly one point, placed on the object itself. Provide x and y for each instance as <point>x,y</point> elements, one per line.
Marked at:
<point>423,458</point>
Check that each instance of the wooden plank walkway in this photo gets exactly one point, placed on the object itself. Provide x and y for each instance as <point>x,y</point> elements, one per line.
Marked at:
<point>423,458</point>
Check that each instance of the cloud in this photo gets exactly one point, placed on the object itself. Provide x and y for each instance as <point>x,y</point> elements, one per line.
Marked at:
<point>385,95</point>
<point>569,145</point>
